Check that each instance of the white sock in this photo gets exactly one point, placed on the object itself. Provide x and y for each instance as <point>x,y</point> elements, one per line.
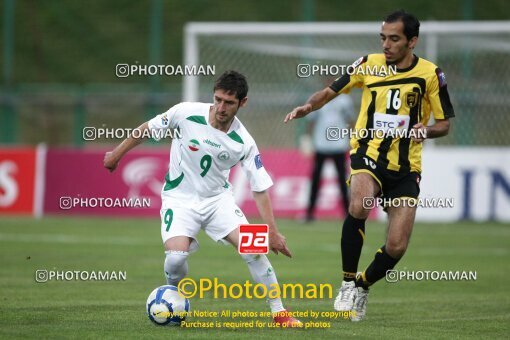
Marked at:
<point>262,272</point>
<point>276,305</point>
<point>176,266</point>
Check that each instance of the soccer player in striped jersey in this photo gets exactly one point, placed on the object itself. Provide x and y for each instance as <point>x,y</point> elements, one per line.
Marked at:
<point>197,194</point>
<point>387,164</point>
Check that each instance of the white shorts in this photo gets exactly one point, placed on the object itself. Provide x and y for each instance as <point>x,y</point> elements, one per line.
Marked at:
<point>218,216</point>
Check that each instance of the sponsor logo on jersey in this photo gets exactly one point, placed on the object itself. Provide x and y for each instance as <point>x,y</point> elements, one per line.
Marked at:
<point>386,122</point>
<point>412,98</point>
<point>224,156</point>
<point>216,145</point>
<point>258,162</point>
<point>238,212</point>
<point>193,145</point>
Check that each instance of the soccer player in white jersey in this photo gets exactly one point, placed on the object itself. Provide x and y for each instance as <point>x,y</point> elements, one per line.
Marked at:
<point>197,194</point>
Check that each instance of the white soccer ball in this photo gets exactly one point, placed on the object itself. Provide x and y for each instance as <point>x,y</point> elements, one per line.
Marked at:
<point>165,306</point>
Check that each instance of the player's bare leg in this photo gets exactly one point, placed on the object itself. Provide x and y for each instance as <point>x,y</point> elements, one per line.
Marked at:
<point>176,264</point>
<point>180,243</point>
<point>400,226</point>
<point>363,185</point>
<point>401,220</point>
<point>262,272</point>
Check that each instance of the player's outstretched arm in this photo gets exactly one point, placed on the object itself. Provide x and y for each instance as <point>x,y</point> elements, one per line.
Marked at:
<point>276,240</point>
<point>315,102</point>
<point>439,129</point>
<point>112,158</point>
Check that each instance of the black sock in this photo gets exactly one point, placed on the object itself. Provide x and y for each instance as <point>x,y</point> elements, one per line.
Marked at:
<point>353,235</point>
<point>377,269</point>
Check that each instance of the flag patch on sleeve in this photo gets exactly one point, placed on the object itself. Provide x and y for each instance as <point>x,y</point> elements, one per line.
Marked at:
<point>441,77</point>
<point>164,120</point>
<point>258,162</point>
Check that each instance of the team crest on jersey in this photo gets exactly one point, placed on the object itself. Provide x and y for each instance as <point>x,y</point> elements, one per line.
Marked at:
<point>412,98</point>
<point>164,120</point>
<point>224,156</point>
<point>193,145</point>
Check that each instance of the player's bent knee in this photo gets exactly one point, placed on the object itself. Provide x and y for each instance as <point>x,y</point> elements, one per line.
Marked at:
<point>396,249</point>
<point>357,210</point>
<point>176,266</point>
<point>181,243</point>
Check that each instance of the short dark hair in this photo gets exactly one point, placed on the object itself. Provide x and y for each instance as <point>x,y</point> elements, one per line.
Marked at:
<point>232,82</point>
<point>411,23</point>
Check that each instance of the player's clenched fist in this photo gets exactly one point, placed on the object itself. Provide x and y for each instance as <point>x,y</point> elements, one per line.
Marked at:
<point>420,133</point>
<point>110,161</point>
<point>298,112</point>
<point>277,244</point>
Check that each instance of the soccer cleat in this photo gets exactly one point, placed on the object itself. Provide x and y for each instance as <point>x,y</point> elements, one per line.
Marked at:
<point>360,304</point>
<point>285,318</point>
<point>345,298</point>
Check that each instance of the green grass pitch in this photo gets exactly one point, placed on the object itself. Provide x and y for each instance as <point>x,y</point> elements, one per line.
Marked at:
<point>116,309</point>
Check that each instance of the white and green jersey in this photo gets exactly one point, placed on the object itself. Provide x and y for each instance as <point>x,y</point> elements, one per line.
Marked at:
<point>200,161</point>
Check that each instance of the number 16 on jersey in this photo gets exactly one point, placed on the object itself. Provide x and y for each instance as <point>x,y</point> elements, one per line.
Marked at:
<point>253,239</point>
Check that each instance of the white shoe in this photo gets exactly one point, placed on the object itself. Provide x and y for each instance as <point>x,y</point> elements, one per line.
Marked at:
<point>345,298</point>
<point>359,308</point>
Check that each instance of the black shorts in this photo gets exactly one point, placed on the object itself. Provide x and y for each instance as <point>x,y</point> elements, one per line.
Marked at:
<point>393,184</point>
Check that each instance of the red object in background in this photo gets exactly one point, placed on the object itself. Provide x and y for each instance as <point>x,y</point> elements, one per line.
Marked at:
<point>291,172</point>
<point>33,180</point>
<point>17,180</point>
<point>79,174</point>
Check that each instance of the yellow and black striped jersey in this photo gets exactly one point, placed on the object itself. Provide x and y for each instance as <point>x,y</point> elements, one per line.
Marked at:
<point>405,97</point>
